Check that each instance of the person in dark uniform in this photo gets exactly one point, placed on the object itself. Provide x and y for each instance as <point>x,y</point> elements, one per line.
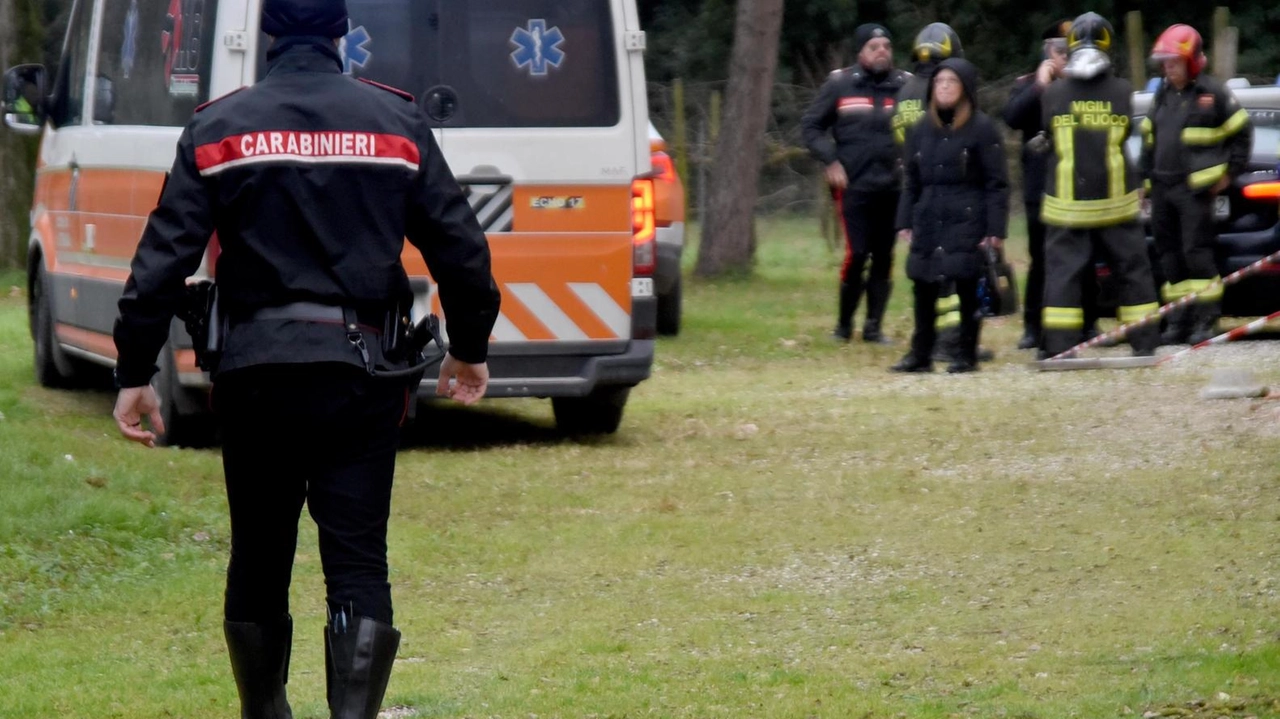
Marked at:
<point>848,128</point>
<point>955,198</point>
<point>1091,192</point>
<point>1022,114</point>
<point>1196,140</point>
<point>312,180</point>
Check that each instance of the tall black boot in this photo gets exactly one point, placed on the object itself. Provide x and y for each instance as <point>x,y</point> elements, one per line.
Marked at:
<point>878,292</point>
<point>1204,324</point>
<point>850,292</point>
<point>359,653</point>
<point>966,354</point>
<point>260,663</point>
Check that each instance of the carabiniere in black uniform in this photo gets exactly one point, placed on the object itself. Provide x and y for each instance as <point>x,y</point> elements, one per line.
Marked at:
<point>851,121</point>
<point>312,181</point>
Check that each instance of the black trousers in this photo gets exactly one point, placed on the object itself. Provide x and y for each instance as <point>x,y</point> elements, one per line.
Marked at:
<point>869,233</point>
<point>927,295</point>
<point>1182,224</point>
<point>1033,301</point>
<point>1069,255</point>
<point>323,434</point>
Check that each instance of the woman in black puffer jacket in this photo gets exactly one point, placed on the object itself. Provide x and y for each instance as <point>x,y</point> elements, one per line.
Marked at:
<point>955,199</point>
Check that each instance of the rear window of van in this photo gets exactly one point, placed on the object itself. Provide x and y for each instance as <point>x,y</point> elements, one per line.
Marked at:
<point>504,63</point>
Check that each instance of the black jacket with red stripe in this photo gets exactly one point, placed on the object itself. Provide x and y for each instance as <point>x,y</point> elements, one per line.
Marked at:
<point>312,181</point>
<point>851,120</point>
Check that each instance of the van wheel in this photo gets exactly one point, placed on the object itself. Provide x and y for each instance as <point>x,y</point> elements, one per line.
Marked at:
<point>669,310</point>
<point>187,420</point>
<point>598,413</point>
<point>53,367</point>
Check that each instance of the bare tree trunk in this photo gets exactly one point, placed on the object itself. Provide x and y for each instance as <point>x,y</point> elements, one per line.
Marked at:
<point>20,38</point>
<point>728,242</point>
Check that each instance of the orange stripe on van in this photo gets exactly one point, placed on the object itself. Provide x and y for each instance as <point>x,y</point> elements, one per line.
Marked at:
<point>572,208</point>
<point>88,340</point>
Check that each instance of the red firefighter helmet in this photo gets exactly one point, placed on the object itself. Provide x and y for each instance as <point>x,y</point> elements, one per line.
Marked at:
<point>1181,41</point>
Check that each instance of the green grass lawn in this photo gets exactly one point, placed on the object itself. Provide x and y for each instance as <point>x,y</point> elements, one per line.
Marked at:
<point>780,529</point>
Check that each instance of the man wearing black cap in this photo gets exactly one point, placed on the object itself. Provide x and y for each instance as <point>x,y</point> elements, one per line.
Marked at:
<point>312,180</point>
<point>849,129</point>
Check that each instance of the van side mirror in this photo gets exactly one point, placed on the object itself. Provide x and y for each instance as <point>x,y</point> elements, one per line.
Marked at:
<point>24,98</point>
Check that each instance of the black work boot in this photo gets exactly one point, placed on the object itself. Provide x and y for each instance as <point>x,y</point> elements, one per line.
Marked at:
<point>1177,326</point>
<point>1204,323</point>
<point>849,296</point>
<point>948,345</point>
<point>966,356</point>
<point>1030,338</point>
<point>359,653</point>
<point>260,663</point>
<point>911,363</point>
<point>878,292</point>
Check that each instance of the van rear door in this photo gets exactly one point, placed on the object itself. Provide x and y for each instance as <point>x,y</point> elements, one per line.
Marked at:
<point>536,115</point>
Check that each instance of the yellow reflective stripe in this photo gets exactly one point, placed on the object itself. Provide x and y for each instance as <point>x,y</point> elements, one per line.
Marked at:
<point>1115,162</point>
<point>947,321</point>
<point>1208,290</point>
<point>1133,313</point>
<point>1207,177</point>
<point>1064,140</point>
<point>1063,318</point>
<point>1148,132</point>
<point>1216,135</point>
<point>947,304</point>
<point>1089,213</point>
<point>1173,291</point>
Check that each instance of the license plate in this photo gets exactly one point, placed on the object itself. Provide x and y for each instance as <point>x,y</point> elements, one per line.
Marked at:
<point>641,287</point>
<point>1221,208</point>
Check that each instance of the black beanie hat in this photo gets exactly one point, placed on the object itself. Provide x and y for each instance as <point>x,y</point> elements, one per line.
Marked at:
<point>322,18</point>
<point>866,33</point>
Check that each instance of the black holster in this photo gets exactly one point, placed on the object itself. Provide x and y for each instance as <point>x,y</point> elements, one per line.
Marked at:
<point>204,322</point>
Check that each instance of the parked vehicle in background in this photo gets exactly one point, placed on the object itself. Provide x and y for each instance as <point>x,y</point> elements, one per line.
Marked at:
<point>669,209</point>
<point>539,106</point>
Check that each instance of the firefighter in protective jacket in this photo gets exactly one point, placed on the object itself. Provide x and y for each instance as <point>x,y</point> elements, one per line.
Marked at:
<point>1195,139</point>
<point>1091,191</point>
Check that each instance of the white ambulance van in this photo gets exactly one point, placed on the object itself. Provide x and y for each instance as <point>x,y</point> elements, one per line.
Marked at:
<point>539,107</point>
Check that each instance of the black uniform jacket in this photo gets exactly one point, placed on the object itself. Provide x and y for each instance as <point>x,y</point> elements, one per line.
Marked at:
<point>857,108</point>
<point>1197,136</point>
<point>1089,182</point>
<point>955,193</point>
<point>1022,114</point>
<point>312,181</point>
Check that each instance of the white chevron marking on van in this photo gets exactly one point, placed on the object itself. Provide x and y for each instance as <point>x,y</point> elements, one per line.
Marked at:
<point>504,330</point>
<point>594,296</point>
<point>547,312</point>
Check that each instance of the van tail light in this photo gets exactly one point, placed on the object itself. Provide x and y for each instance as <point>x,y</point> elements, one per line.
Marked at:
<point>663,168</point>
<point>1262,191</point>
<point>644,227</point>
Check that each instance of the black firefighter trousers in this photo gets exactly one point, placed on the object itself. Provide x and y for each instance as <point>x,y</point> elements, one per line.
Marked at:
<point>1069,255</point>
<point>323,434</point>
<point>1183,227</point>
